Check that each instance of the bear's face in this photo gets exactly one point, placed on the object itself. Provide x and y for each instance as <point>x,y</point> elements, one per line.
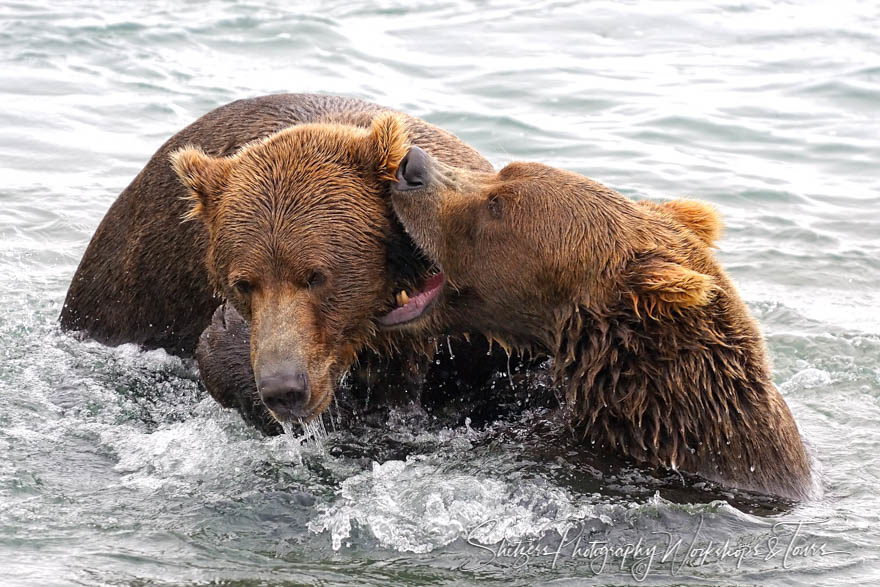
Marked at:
<point>526,245</point>
<point>300,242</point>
<point>503,241</point>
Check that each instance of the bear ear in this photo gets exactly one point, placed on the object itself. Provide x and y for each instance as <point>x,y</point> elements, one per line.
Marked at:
<point>661,288</point>
<point>701,218</point>
<point>203,175</point>
<point>388,143</point>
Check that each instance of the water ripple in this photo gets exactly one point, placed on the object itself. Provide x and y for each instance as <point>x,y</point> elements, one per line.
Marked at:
<point>118,470</point>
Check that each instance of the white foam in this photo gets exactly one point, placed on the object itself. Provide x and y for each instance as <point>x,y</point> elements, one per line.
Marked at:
<point>418,505</point>
<point>807,379</point>
<point>213,446</point>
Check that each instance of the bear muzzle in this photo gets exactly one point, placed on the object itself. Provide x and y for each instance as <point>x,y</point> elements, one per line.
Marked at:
<point>413,171</point>
<point>285,391</point>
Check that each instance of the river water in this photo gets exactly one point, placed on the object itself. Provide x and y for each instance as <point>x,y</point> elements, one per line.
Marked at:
<point>117,470</point>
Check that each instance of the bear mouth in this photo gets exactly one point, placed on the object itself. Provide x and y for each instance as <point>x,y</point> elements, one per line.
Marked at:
<point>411,306</point>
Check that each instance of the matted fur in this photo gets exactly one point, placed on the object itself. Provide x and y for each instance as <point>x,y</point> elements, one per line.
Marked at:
<point>150,279</point>
<point>299,217</point>
<point>662,362</point>
<point>384,143</point>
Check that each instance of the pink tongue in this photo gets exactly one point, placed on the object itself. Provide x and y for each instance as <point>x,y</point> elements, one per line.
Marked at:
<point>434,282</point>
<point>416,304</point>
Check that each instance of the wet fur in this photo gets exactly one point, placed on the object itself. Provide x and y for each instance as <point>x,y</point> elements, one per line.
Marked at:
<point>143,278</point>
<point>308,200</point>
<point>662,361</point>
<point>149,278</point>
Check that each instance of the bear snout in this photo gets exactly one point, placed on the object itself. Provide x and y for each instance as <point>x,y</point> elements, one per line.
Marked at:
<point>285,392</point>
<point>412,173</point>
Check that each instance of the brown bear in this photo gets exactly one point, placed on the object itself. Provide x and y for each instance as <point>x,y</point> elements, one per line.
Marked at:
<point>663,363</point>
<point>294,230</point>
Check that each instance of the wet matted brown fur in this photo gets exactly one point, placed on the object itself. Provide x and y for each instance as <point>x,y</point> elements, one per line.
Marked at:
<point>662,360</point>
<point>307,215</point>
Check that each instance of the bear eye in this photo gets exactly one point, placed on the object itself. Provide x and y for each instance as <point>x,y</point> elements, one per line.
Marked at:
<point>316,279</point>
<point>243,286</point>
<point>495,205</point>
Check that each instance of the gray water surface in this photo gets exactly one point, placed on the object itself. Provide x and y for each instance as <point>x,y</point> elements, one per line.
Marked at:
<point>117,469</point>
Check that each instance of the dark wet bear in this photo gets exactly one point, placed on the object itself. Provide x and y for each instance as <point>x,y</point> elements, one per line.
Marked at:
<point>149,278</point>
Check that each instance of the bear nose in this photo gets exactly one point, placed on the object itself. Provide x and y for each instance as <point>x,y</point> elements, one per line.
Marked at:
<point>412,173</point>
<point>286,393</point>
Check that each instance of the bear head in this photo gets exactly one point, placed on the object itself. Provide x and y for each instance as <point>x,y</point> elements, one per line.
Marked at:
<point>302,242</point>
<point>527,244</point>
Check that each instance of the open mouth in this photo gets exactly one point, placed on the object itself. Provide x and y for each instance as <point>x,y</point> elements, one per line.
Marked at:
<point>413,305</point>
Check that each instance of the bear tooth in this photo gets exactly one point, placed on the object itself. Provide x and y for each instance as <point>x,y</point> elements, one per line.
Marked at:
<point>402,298</point>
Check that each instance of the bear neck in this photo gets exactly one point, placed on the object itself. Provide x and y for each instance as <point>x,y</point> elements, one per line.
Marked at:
<point>690,393</point>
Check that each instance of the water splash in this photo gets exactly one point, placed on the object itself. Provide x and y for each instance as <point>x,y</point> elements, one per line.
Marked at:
<point>315,431</point>
<point>311,432</point>
<point>418,505</point>
<point>116,445</point>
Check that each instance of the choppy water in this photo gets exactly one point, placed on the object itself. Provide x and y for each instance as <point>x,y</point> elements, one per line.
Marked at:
<point>115,467</point>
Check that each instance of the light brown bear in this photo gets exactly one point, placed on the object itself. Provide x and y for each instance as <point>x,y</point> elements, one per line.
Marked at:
<point>662,360</point>
<point>290,223</point>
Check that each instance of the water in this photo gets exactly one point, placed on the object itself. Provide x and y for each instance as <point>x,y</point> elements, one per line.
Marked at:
<point>118,470</point>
